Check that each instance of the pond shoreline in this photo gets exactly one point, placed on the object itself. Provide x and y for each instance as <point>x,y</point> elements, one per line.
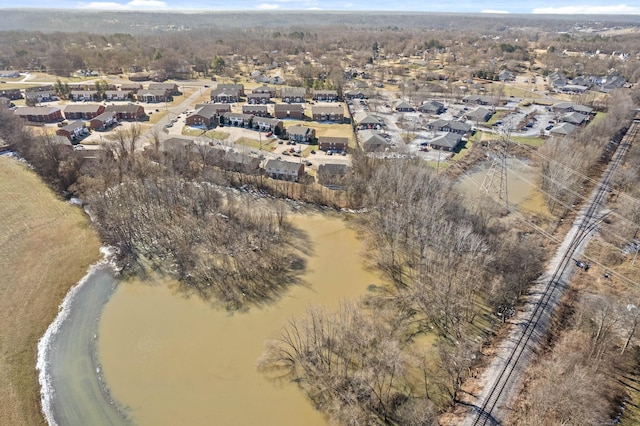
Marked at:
<point>69,372</point>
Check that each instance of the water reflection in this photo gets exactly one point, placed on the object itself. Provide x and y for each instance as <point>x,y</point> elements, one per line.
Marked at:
<point>176,360</point>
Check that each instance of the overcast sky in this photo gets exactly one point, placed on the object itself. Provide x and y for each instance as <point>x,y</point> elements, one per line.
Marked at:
<point>466,6</point>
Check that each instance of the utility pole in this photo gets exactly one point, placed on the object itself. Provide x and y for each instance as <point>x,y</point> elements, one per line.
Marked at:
<point>495,182</point>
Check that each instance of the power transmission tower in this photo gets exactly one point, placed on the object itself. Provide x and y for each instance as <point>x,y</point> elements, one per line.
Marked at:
<point>495,182</point>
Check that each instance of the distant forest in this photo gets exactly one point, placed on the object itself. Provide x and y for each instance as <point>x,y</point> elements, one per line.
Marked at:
<point>136,22</point>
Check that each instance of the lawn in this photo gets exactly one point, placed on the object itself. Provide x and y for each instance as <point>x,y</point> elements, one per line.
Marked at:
<point>462,152</point>
<point>499,115</point>
<point>598,118</point>
<point>46,246</point>
<point>337,130</point>
<point>157,116</point>
<point>265,144</point>
<point>531,141</point>
<point>211,134</point>
<point>518,92</point>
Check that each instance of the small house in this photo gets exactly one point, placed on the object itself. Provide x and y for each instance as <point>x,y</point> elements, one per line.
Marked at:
<point>328,113</point>
<point>301,134</point>
<point>333,143</point>
<point>284,170</point>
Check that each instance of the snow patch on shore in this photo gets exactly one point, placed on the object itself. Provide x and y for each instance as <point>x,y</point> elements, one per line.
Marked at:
<point>47,390</point>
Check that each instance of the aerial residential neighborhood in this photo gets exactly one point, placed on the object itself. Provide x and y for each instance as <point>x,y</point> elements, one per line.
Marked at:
<point>285,216</point>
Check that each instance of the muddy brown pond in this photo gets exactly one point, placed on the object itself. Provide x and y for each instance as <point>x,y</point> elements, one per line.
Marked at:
<point>171,360</point>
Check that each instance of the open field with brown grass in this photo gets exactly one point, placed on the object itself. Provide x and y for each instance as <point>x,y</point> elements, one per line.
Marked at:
<point>46,246</point>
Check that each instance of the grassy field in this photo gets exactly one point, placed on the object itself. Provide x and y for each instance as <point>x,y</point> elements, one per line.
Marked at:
<point>337,130</point>
<point>598,118</point>
<point>531,141</point>
<point>46,246</point>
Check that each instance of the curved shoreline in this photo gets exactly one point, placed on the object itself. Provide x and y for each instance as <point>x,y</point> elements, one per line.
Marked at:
<point>72,389</point>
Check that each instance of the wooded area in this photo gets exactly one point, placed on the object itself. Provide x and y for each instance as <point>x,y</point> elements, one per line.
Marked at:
<point>457,265</point>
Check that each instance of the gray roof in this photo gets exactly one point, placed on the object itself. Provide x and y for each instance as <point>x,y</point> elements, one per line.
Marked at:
<point>326,92</point>
<point>288,107</point>
<point>431,106</point>
<point>286,166</point>
<point>299,130</point>
<point>478,98</point>
<point>259,108</point>
<point>162,86</point>
<point>73,126</point>
<point>574,118</point>
<point>264,89</point>
<point>240,158</point>
<point>448,140</point>
<point>35,94</point>
<point>364,118</point>
<point>333,169</point>
<point>233,87</point>
<point>237,115</point>
<point>84,92</point>
<point>333,139</point>
<point>128,108</point>
<point>153,92</point>
<point>44,110</point>
<point>372,137</point>
<point>82,108</point>
<point>404,105</point>
<point>266,120</point>
<point>563,129</point>
<point>104,116</point>
<point>455,125</point>
<point>331,109</point>
<point>479,114</point>
<point>293,91</point>
<point>570,106</point>
<point>583,109</point>
<point>210,110</point>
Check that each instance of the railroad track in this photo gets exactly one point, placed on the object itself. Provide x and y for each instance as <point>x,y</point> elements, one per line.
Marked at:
<point>534,326</point>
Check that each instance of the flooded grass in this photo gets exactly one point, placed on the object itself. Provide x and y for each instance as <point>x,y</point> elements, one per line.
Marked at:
<point>178,360</point>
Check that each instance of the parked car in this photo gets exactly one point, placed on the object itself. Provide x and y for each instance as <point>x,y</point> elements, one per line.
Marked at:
<point>269,134</point>
<point>280,142</point>
<point>313,151</point>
